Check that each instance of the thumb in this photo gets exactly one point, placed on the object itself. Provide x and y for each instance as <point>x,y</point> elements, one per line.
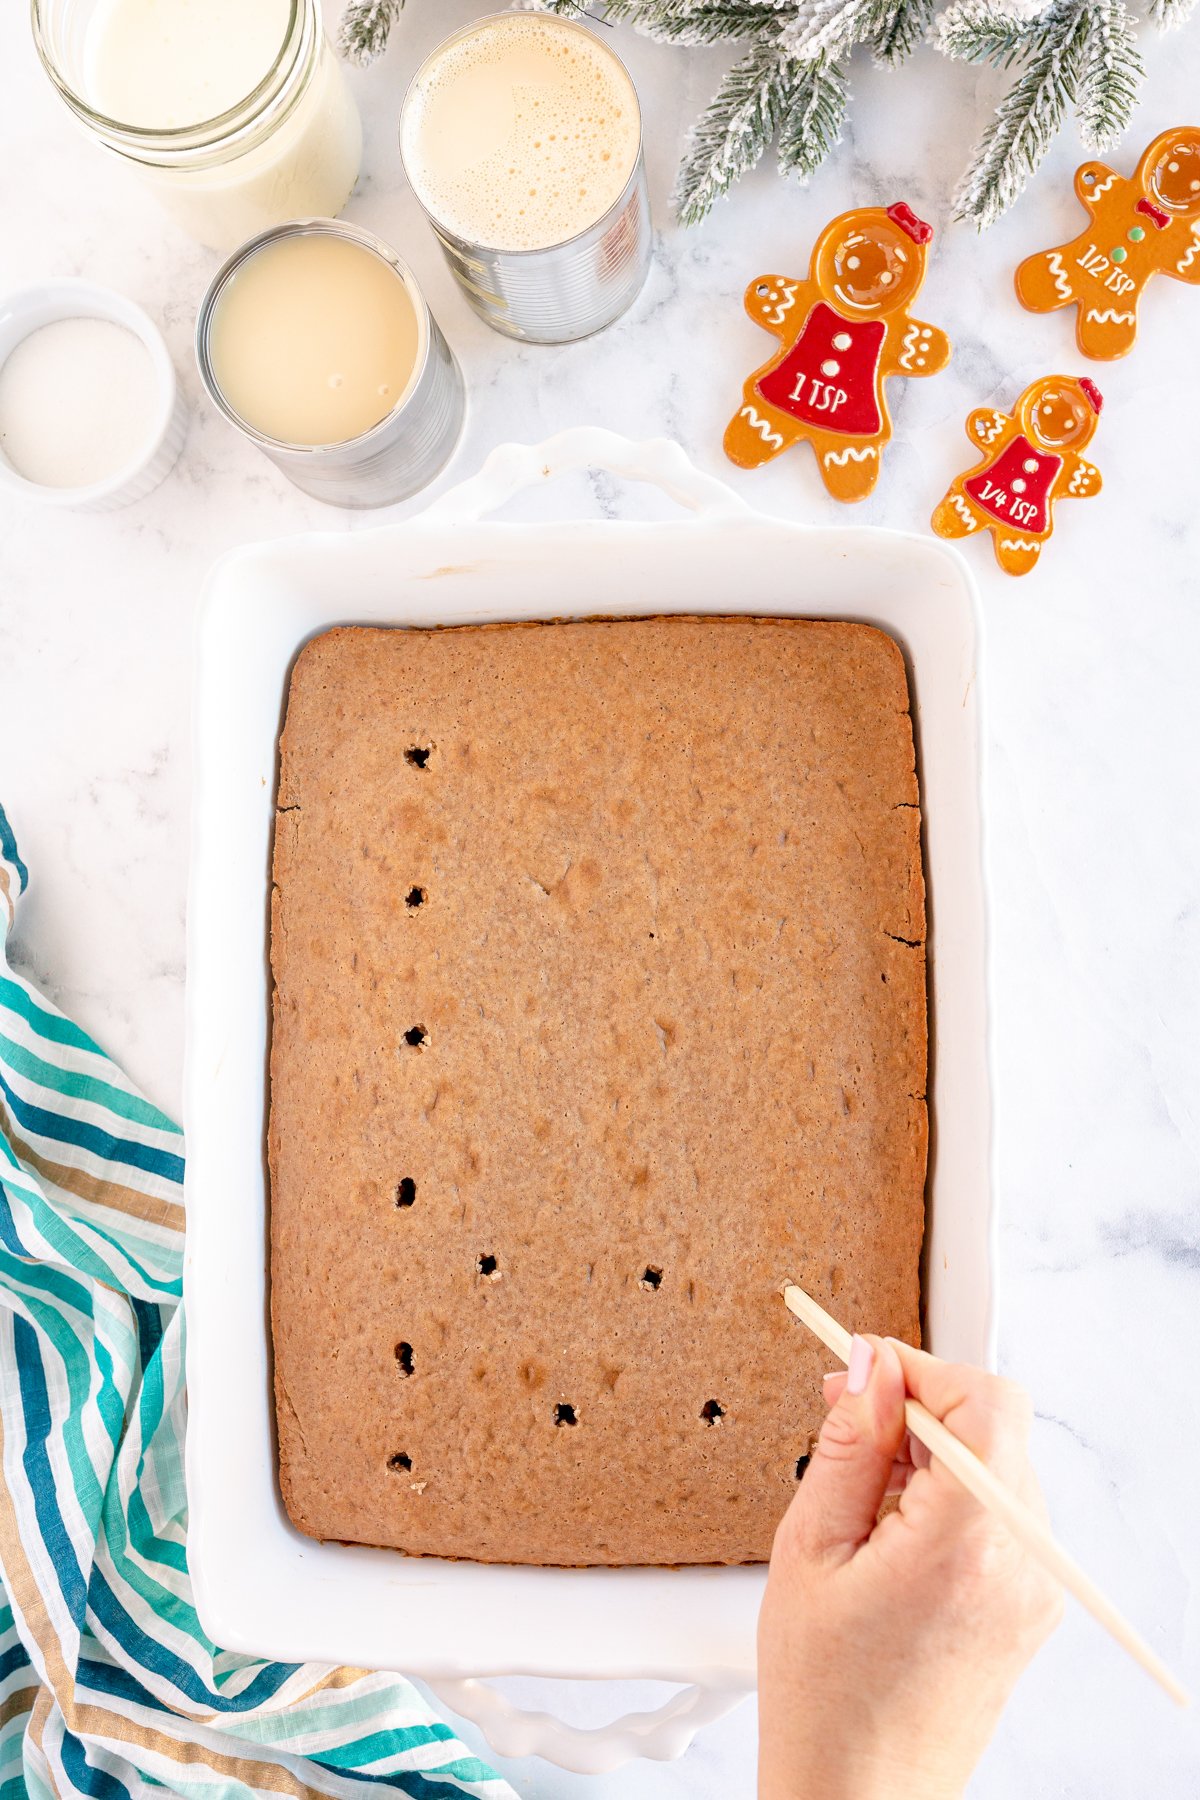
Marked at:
<point>844,1486</point>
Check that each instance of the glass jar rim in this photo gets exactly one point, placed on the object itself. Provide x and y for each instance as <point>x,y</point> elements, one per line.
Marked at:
<point>203,133</point>
<point>554,21</point>
<point>356,234</point>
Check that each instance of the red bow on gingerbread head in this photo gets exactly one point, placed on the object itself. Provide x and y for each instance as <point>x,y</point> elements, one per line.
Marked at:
<point>1091,392</point>
<point>903,215</point>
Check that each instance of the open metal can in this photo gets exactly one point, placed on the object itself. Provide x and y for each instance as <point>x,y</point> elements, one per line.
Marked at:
<point>408,447</point>
<point>554,292</point>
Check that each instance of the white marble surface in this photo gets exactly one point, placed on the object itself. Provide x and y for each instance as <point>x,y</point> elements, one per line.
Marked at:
<point>1094,851</point>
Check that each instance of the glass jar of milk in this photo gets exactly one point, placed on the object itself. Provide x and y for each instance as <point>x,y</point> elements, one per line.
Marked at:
<point>236,112</point>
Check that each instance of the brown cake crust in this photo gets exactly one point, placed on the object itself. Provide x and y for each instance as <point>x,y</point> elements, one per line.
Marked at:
<point>669,963</point>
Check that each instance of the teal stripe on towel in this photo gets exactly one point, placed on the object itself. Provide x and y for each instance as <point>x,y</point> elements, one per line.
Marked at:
<point>91,1394</point>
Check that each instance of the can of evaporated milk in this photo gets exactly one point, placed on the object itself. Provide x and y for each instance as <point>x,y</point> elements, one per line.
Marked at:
<point>521,137</point>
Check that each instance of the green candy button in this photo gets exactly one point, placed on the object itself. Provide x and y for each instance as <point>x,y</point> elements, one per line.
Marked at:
<point>1119,254</point>
<point>1136,234</point>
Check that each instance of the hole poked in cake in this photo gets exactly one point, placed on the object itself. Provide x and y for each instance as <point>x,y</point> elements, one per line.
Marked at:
<point>651,1278</point>
<point>712,1412</point>
<point>400,1463</point>
<point>802,1463</point>
<point>564,1413</point>
<point>416,1037</point>
<point>406,1191</point>
<point>416,896</point>
<point>418,755</point>
<point>404,1358</point>
<point>487,1266</point>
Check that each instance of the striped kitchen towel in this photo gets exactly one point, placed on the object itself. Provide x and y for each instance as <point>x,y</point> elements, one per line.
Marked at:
<point>109,1687</point>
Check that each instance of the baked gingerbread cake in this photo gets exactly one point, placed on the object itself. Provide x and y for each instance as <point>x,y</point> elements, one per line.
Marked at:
<point>599,1013</point>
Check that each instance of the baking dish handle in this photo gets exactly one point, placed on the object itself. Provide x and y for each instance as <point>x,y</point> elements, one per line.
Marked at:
<point>513,467</point>
<point>660,1736</point>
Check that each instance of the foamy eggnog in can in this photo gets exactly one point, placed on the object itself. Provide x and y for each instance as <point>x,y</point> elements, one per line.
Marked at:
<point>521,136</point>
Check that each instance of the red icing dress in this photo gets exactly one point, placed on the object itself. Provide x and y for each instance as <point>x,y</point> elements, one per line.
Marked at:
<point>1016,488</point>
<point>830,376</point>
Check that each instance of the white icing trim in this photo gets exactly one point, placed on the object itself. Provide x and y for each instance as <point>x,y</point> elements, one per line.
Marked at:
<point>757,423</point>
<point>850,454</point>
<point>786,304</point>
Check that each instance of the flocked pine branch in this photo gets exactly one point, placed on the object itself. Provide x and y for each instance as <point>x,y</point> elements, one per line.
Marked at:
<point>707,21</point>
<point>1169,14</point>
<point>1076,52</point>
<point>578,8</point>
<point>1028,118</point>
<point>907,22</point>
<point>365,28</point>
<point>671,21</point>
<point>732,133</point>
<point>831,28</point>
<point>1111,72</point>
<point>815,115</point>
<point>680,21</point>
<point>982,31</point>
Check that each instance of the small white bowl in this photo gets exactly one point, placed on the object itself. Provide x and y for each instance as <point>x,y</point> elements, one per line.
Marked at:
<point>26,310</point>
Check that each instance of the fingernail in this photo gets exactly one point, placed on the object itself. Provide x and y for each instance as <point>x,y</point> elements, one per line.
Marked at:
<point>832,1374</point>
<point>858,1371</point>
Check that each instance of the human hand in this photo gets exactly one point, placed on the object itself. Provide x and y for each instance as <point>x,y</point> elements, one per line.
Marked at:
<point>887,1650</point>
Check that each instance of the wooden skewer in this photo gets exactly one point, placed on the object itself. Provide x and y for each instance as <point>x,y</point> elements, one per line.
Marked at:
<point>978,1480</point>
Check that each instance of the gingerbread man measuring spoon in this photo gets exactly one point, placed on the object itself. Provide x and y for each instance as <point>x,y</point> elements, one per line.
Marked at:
<point>844,329</point>
<point>1149,225</point>
<point>1030,460</point>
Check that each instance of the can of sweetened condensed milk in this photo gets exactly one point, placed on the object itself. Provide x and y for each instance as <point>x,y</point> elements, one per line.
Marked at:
<point>315,341</point>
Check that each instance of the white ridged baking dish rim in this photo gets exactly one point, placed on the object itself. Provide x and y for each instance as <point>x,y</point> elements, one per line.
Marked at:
<point>260,1586</point>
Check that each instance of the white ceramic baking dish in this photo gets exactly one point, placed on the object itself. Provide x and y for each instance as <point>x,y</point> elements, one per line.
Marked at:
<point>260,1585</point>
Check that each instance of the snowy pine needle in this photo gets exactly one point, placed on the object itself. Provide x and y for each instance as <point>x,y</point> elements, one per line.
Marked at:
<point>731,134</point>
<point>902,29</point>
<point>365,27</point>
<point>702,21</point>
<point>1028,118</point>
<point>815,115</point>
<point>1109,77</point>
<point>831,28</point>
<point>1079,53</point>
<point>979,31</point>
